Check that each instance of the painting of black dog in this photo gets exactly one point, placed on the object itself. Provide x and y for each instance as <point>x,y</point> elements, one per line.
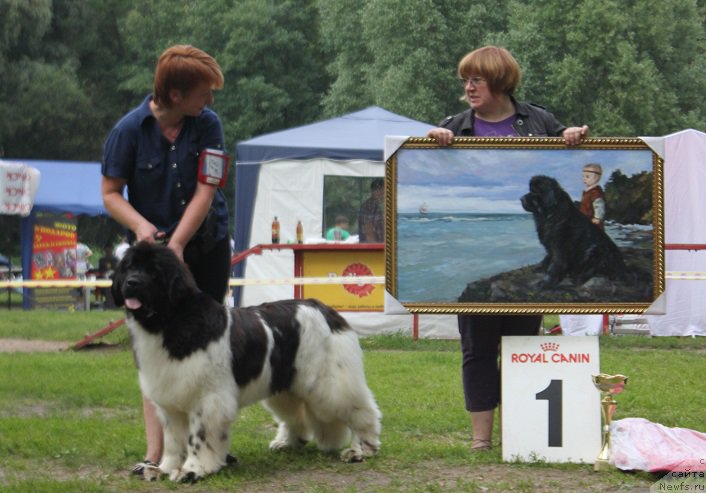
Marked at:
<point>575,248</point>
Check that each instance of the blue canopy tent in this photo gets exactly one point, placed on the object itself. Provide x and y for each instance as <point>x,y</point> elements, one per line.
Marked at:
<point>357,137</point>
<point>68,186</point>
<point>64,186</point>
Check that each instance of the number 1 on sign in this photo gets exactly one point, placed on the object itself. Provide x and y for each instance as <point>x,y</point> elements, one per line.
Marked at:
<point>553,395</point>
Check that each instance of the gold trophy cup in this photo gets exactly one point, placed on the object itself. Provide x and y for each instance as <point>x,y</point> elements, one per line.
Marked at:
<point>607,385</point>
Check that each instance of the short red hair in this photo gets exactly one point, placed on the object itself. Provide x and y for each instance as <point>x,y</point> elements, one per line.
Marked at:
<point>496,65</point>
<point>183,67</point>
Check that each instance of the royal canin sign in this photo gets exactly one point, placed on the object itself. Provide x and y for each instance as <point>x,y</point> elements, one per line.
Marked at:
<point>549,353</point>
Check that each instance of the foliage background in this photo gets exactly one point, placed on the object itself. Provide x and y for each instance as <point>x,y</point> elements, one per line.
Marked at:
<point>70,68</point>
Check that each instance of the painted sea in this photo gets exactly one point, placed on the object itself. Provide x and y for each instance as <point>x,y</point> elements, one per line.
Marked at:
<point>439,253</point>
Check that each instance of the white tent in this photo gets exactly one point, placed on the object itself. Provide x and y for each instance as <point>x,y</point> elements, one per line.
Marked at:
<point>684,227</point>
<point>282,174</point>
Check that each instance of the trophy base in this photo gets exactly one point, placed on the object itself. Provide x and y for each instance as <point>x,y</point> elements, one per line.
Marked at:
<point>603,465</point>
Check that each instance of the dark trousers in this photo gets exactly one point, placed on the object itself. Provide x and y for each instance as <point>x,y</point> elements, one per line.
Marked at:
<point>480,346</point>
<point>211,270</point>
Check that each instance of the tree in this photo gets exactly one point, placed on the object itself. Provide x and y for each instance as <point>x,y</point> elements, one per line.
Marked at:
<point>406,73</point>
<point>341,28</point>
<point>624,67</point>
<point>269,53</point>
<point>402,55</point>
<point>48,83</point>
<point>278,66</point>
<point>629,198</point>
<point>87,32</point>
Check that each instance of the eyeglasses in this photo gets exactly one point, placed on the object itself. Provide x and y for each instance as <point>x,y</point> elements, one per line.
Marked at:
<point>474,81</point>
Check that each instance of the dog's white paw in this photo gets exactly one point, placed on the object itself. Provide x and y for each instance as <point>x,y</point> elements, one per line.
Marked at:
<point>195,470</point>
<point>151,473</point>
<point>191,474</point>
<point>370,448</point>
<point>277,445</point>
<point>284,444</point>
<point>352,455</point>
<point>170,464</point>
<point>184,475</point>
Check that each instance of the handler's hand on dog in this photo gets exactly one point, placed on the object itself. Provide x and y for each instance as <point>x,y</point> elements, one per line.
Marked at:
<point>147,232</point>
<point>574,135</point>
<point>443,136</point>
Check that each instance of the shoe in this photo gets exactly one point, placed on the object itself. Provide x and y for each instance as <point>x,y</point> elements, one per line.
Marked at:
<point>139,469</point>
<point>478,444</point>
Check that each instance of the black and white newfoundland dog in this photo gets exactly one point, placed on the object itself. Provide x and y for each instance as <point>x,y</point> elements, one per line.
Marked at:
<point>200,362</point>
<point>575,246</point>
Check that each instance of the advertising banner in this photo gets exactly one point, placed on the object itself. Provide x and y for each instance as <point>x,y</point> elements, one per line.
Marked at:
<point>345,297</point>
<point>54,258</point>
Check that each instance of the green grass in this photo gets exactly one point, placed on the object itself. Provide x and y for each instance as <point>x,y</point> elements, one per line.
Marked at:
<point>71,421</point>
<point>11,299</point>
<point>59,325</point>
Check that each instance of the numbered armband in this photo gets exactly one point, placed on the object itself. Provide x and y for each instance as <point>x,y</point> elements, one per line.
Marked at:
<point>213,167</point>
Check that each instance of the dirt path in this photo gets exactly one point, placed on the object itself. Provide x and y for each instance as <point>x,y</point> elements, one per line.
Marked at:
<point>33,346</point>
<point>433,476</point>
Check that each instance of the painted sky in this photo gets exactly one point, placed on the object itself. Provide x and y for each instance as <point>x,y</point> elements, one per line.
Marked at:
<point>493,180</point>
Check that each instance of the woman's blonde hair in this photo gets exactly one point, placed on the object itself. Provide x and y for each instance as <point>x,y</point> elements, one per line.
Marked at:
<point>183,67</point>
<point>496,65</point>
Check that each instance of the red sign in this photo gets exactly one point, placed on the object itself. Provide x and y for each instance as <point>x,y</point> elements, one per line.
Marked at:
<point>54,246</point>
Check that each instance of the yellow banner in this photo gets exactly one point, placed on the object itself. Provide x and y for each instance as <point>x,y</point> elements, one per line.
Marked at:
<point>346,297</point>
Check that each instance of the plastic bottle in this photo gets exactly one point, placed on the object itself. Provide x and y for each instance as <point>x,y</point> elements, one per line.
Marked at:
<point>300,232</point>
<point>275,231</point>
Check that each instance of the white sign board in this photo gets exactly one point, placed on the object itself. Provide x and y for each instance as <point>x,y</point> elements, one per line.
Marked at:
<point>550,407</point>
<point>18,187</point>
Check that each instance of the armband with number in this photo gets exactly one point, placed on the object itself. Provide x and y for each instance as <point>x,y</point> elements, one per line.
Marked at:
<point>213,167</point>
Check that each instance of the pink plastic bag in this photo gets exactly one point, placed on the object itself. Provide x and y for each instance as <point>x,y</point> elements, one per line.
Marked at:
<point>638,444</point>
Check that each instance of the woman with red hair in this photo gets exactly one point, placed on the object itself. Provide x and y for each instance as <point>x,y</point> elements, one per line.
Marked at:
<point>155,151</point>
<point>489,77</point>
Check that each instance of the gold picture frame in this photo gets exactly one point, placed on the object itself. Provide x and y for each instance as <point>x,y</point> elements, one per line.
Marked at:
<point>459,238</point>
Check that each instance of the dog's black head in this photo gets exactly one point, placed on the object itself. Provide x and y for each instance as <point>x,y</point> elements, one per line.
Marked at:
<point>150,280</point>
<point>530,203</point>
<point>544,196</point>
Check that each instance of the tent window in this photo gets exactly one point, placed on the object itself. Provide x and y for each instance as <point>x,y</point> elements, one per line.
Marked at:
<point>343,195</point>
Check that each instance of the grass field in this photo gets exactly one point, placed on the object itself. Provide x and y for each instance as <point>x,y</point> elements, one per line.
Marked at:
<point>71,420</point>
<point>10,300</point>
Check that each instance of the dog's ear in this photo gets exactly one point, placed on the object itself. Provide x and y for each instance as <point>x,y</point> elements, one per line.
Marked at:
<point>181,283</point>
<point>549,197</point>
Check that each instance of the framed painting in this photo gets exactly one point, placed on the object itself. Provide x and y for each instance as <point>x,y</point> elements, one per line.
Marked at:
<point>524,225</point>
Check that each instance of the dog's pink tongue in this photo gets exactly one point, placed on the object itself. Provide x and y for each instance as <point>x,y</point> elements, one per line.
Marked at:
<point>133,303</point>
